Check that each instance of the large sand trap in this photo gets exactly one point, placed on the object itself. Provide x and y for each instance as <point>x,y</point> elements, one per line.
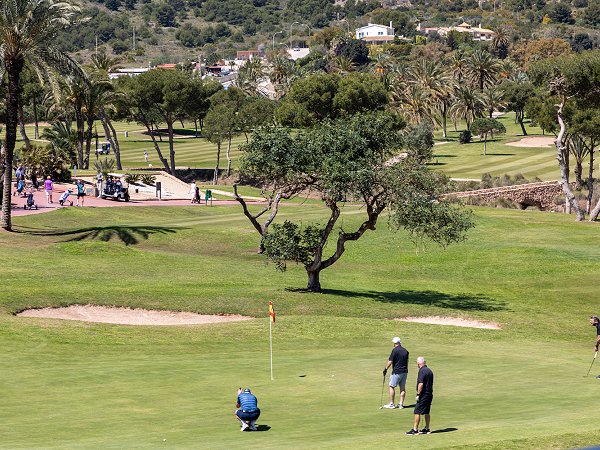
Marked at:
<point>454,321</point>
<point>534,141</point>
<point>127,316</point>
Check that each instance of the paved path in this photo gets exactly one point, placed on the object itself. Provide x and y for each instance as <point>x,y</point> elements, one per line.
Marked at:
<point>90,201</point>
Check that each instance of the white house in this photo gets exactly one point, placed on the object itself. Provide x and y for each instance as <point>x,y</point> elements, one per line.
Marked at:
<point>376,34</point>
<point>478,33</point>
<point>127,72</point>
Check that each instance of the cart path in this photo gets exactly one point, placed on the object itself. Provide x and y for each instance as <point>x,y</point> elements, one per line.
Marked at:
<point>91,201</point>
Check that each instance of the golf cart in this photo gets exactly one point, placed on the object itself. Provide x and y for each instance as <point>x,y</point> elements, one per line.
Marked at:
<point>114,190</point>
<point>103,148</point>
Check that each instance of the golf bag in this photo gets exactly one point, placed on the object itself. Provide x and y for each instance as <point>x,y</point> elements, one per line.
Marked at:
<point>65,198</point>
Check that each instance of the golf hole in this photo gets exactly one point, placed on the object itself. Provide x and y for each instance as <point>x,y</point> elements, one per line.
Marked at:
<point>128,316</point>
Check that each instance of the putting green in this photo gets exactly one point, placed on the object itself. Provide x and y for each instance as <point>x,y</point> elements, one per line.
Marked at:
<point>79,385</point>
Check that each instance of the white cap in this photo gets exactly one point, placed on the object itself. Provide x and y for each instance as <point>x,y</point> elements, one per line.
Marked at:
<point>396,340</point>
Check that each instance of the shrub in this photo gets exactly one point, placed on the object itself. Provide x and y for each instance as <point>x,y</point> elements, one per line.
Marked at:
<point>132,178</point>
<point>148,180</point>
<point>465,137</point>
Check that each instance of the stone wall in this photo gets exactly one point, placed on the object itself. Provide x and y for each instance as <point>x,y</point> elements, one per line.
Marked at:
<point>540,195</point>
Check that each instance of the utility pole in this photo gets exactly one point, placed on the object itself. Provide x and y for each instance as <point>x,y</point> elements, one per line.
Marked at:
<point>134,38</point>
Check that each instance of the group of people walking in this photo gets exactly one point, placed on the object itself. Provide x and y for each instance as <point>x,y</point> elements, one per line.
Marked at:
<point>398,362</point>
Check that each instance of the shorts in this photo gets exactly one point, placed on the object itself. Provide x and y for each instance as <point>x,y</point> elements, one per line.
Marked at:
<point>80,194</point>
<point>423,406</point>
<point>398,379</point>
<point>248,416</point>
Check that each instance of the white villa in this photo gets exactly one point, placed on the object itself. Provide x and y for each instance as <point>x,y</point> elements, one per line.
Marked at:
<point>376,34</point>
<point>478,33</point>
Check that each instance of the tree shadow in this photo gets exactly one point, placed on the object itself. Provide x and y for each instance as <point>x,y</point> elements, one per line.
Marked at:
<point>445,430</point>
<point>129,235</point>
<point>444,156</point>
<point>465,302</point>
<point>499,154</point>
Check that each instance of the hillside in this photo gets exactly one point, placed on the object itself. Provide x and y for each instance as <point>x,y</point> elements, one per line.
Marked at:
<point>180,30</point>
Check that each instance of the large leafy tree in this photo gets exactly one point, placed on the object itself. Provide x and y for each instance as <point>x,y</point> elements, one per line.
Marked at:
<point>160,95</point>
<point>276,160</point>
<point>349,160</point>
<point>571,79</point>
<point>27,32</point>
<point>484,127</point>
<point>516,94</point>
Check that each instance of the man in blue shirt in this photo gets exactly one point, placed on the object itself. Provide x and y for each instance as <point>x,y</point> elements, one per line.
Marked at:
<point>247,412</point>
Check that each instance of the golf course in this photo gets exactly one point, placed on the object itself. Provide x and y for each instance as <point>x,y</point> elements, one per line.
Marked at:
<point>71,384</point>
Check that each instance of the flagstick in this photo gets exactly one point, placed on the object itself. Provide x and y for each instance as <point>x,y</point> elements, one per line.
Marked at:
<point>271,344</point>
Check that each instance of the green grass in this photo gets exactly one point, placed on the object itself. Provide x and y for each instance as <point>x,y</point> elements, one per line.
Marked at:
<point>69,384</point>
<point>467,160</point>
<point>456,160</point>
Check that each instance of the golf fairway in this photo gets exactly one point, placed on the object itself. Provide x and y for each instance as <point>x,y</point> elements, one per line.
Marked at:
<point>72,384</point>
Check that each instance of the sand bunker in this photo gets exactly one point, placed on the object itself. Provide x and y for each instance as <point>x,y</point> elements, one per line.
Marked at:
<point>533,141</point>
<point>454,321</point>
<point>127,316</point>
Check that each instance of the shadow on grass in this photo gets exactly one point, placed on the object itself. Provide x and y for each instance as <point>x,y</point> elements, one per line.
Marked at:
<point>129,235</point>
<point>498,154</point>
<point>263,427</point>
<point>464,302</point>
<point>444,156</point>
<point>445,430</point>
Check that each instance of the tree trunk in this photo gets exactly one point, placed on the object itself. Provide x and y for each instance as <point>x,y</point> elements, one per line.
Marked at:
<point>521,118</point>
<point>111,135</point>
<point>89,132</point>
<point>444,119</point>
<point>561,150</point>
<point>157,148</point>
<point>196,127</point>
<point>171,148</point>
<point>578,174</point>
<point>13,69</point>
<point>22,128</point>
<point>79,136</point>
<point>229,157</point>
<point>314,285</point>
<point>216,176</point>
<point>590,181</point>
<point>36,129</point>
<point>485,146</point>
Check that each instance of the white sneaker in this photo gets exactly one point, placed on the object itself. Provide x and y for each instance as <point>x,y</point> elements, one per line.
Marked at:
<point>245,426</point>
<point>389,406</point>
<point>400,406</point>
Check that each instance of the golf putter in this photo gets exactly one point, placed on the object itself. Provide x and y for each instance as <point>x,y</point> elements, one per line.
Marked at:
<point>595,354</point>
<point>382,388</point>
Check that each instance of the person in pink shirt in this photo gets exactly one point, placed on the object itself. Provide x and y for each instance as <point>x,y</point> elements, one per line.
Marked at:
<point>48,188</point>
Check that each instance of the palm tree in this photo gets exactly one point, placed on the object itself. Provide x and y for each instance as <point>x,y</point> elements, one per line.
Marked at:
<point>482,68</point>
<point>341,64</point>
<point>413,102</point>
<point>492,100</point>
<point>281,74</point>
<point>250,76</point>
<point>467,104</point>
<point>27,31</point>
<point>457,64</point>
<point>436,80</point>
<point>500,43</point>
<point>104,63</point>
